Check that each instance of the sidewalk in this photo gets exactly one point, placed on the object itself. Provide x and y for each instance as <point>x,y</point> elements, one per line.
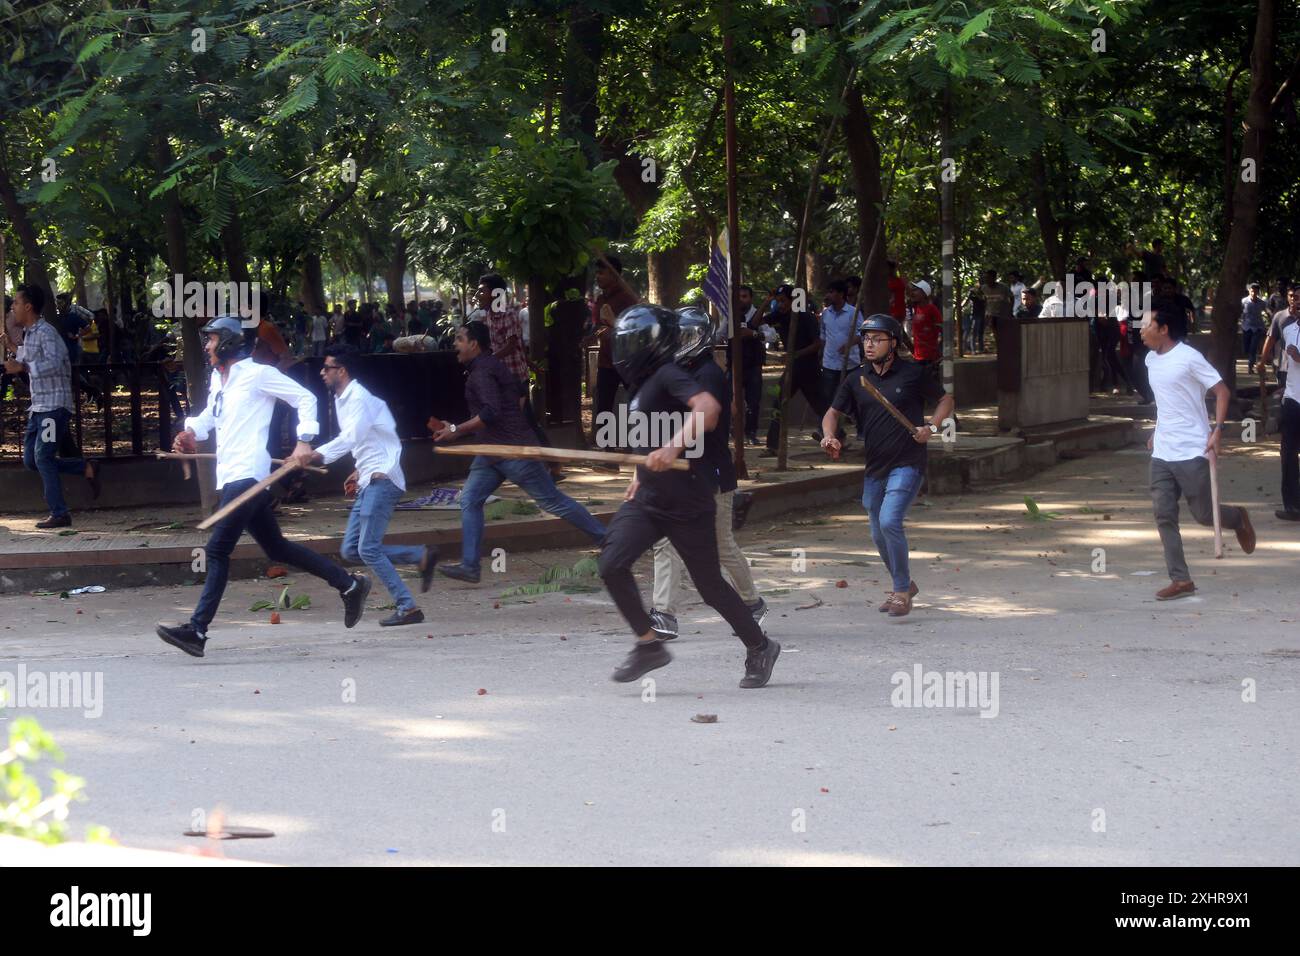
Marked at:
<point>131,547</point>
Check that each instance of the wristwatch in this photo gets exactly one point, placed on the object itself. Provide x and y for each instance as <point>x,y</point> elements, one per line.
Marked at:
<point>934,429</point>
<point>452,428</point>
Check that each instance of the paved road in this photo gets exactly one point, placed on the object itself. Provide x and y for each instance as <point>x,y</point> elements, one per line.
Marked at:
<point>1121,735</point>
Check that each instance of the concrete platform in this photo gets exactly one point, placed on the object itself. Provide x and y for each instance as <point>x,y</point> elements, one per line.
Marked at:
<point>158,545</point>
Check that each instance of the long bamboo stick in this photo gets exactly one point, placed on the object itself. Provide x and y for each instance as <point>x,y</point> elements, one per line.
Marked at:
<point>550,454</point>
<point>248,495</point>
<point>209,455</point>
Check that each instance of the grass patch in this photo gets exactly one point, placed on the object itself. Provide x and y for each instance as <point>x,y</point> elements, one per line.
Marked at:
<point>509,506</point>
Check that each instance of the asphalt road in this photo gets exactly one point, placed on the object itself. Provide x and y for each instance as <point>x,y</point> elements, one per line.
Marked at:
<point>1122,731</point>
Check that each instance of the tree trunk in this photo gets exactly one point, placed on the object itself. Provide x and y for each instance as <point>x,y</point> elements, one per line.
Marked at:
<point>191,344</point>
<point>395,274</point>
<point>311,287</point>
<point>864,161</point>
<point>1245,199</point>
<point>1048,227</point>
<point>35,266</point>
<point>232,245</point>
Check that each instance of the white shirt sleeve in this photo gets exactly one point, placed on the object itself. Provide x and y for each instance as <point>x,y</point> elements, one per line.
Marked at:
<point>1205,373</point>
<point>203,423</point>
<point>281,386</point>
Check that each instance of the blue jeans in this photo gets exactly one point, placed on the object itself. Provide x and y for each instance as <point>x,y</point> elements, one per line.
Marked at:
<point>887,500</point>
<point>486,476</point>
<point>42,456</point>
<point>255,517</point>
<point>364,540</point>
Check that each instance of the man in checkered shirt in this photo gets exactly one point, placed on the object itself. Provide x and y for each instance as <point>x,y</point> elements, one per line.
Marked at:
<point>44,357</point>
<point>507,330</point>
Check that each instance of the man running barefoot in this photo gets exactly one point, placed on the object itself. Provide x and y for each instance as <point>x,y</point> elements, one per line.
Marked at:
<point>1180,376</point>
<point>665,503</point>
<point>896,457</point>
<point>241,398</point>
<point>368,432</point>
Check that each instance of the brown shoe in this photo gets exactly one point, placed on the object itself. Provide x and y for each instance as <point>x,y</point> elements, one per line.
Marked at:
<point>1176,589</point>
<point>885,605</point>
<point>1246,533</point>
<point>901,605</point>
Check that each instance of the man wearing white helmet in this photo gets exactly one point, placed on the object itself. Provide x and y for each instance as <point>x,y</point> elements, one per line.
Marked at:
<point>241,397</point>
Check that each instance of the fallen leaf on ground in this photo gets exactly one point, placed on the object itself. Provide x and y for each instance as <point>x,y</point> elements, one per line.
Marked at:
<point>704,719</point>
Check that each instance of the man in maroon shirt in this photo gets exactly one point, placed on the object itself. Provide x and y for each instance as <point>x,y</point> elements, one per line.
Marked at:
<point>492,394</point>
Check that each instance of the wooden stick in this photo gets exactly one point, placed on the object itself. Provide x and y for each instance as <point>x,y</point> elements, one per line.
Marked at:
<point>209,455</point>
<point>1214,503</point>
<point>889,406</point>
<point>248,495</point>
<point>550,454</point>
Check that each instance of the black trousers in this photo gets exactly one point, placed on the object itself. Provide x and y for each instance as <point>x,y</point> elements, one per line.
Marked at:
<point>256,518</point>
<point>752,382</point>
<point>1289,425</point>
<point>607,383</point>
<point>810,387</point>
<point>1138,370</point>
<point>635,528</point>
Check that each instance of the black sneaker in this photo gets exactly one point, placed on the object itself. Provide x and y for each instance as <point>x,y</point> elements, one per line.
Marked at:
<point>427,565</point>
<point>664,625</point>
<point>759,664</point>
<point>459,572</point>
<point>398,618</point>
<point>62,521</point>
<point>1284,515</point>
<point>354,599</point>
<point>759,610</point>
<point>643,658</point>
<point>185,637</point>
<point>741,502</point>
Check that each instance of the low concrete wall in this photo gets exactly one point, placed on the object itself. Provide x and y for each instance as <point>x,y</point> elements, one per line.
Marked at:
<point>132,482</point>
<point>975,380</point>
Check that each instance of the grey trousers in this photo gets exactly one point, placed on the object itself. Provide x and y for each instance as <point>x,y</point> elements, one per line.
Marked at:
<point>1190,479</point>
<point>669,567</point>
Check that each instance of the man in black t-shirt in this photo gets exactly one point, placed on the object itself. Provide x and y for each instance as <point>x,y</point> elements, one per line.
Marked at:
<point>896,457</point>
<point>665,503</point>
<point>801,337</point>
<point>696,356</point>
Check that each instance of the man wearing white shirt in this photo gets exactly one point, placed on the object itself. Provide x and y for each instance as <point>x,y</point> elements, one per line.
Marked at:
<point>367,431</point>
<point>241,397</point>
<point>1289,423</point>
<point>1180,376</point>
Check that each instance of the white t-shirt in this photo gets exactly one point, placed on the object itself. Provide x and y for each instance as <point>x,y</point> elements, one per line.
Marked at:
<point>1180,378</point>
<point>319,332</point>
<point>1291,336</point>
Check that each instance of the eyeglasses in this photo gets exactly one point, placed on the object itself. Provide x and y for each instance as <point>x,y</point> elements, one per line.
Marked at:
<point>325,366</point>
<point>877,339</point>
<point>216,403</point>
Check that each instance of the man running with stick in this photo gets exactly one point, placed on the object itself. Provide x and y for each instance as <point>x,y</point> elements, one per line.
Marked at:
<point>695,355</point>
<point>889,394</point>
<point>241,397</point>
<point>1184,448</point>
<point>665,503</point>
<point>492,393</point>
<point>368,432</point>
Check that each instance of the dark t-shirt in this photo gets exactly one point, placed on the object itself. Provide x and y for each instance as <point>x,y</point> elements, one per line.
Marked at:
<point>716,449</point>
<point>670,389</point>
<point>909,386</point>
<point>492,393</point>
<point>809,332</point>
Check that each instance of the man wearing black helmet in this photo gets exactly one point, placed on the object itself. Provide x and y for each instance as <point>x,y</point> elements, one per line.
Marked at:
<point>241,397</point>
<point>896,456</point>
<point>695,355</point>
<point>665,503</point>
